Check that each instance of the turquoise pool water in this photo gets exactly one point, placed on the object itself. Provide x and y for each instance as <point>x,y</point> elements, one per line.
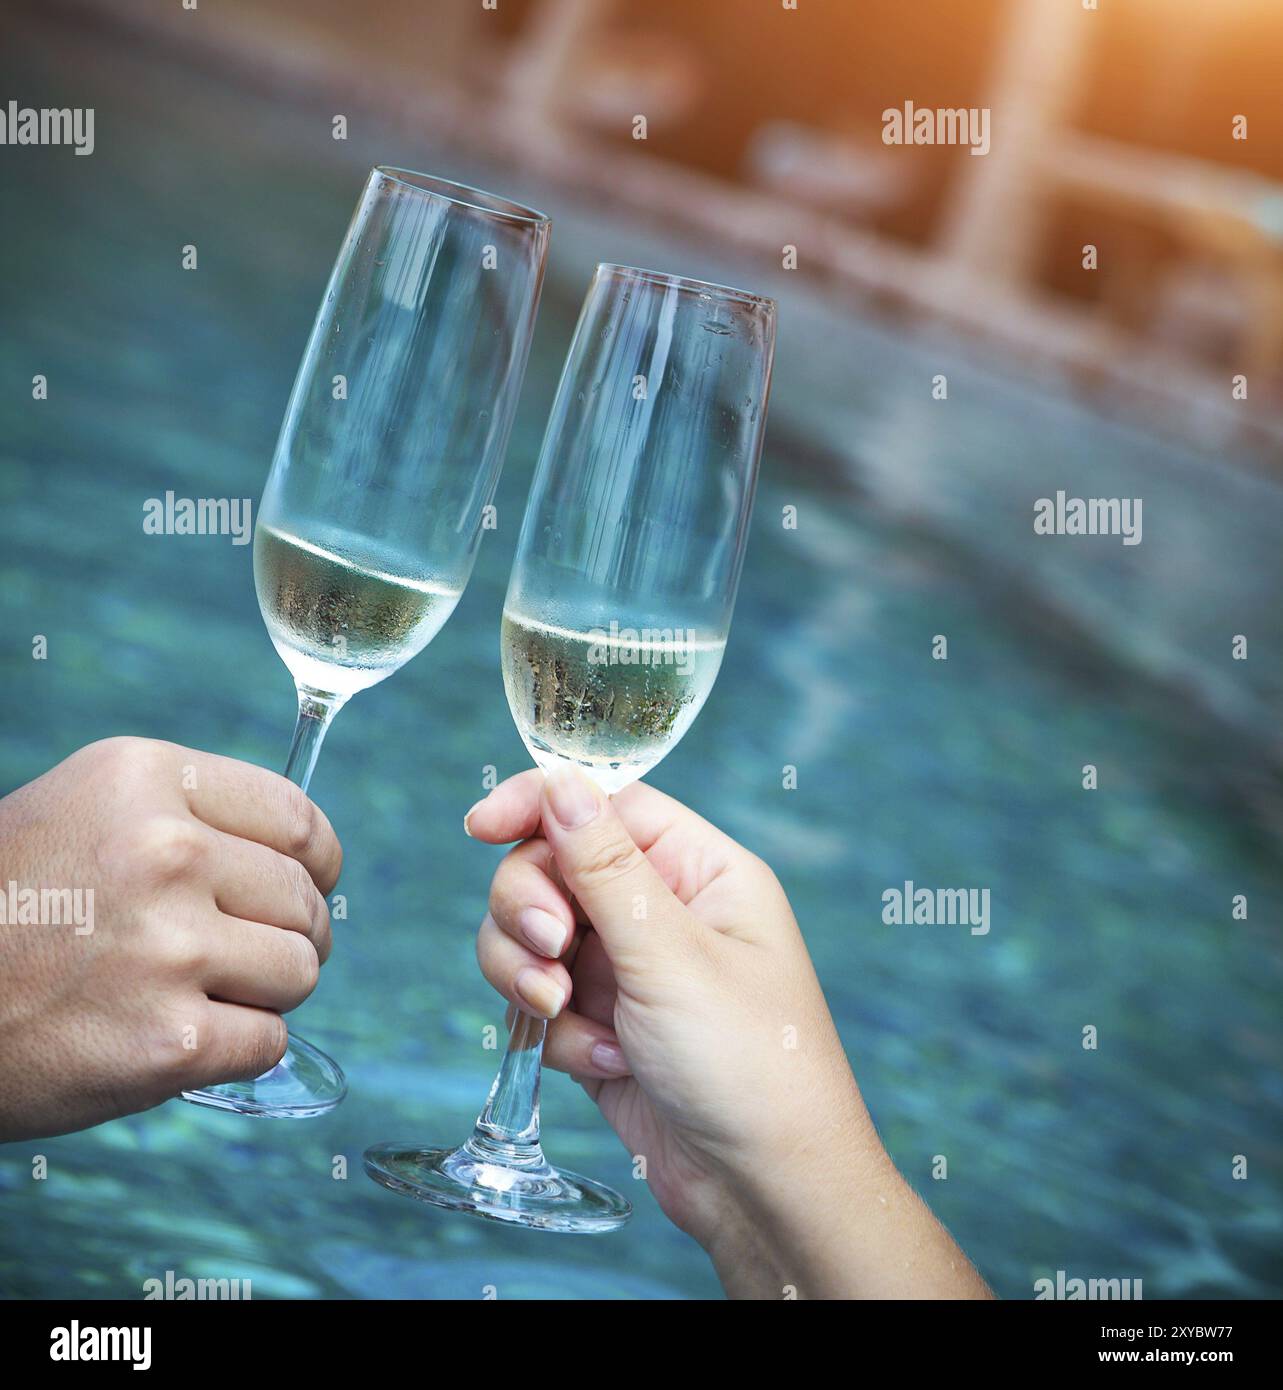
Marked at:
<point>1109,908</point>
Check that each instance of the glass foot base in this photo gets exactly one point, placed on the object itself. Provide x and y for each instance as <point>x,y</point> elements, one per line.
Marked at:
<point>303,1083</point>
<point>485,1181</point>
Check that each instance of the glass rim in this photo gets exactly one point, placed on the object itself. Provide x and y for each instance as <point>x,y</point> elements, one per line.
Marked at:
<point>709,288</point>
<point>464,195</point>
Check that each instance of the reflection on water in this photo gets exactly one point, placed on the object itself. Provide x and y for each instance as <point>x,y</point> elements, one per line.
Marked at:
<point>1109,909</point>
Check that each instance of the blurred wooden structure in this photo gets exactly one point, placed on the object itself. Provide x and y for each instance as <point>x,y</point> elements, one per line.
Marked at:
<point>554,98</point>
<point>995,224</point>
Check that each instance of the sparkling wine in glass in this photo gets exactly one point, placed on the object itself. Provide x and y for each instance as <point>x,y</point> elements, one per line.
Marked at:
<point>613,632</point>
<point>389,452</point>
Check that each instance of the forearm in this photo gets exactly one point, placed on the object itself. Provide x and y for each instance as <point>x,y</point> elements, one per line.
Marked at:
<point>843,1224</point>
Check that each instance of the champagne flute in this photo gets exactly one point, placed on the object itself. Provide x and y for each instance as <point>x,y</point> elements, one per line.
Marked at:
<point>613,631</point>
<point>388,455</point>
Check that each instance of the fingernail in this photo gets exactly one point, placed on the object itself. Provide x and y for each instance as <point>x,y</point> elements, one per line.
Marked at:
<point>545,997</point>
<point>466,829</point>
<point>543,931</point>
<point>572,797</point>
<point>609,1057</point>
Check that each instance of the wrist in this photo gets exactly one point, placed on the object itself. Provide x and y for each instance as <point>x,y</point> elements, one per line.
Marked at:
<point>833,1219</point>
<point>784,1220</point>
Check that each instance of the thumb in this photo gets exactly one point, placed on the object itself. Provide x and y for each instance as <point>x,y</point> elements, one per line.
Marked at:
<point>636,914</point>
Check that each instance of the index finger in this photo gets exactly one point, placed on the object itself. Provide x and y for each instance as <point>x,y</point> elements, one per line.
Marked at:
<point>510,812</point>
<point>263,806</point>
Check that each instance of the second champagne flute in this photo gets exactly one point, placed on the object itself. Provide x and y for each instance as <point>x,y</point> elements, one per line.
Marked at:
<point>390,450</point>
<point>613,631</point>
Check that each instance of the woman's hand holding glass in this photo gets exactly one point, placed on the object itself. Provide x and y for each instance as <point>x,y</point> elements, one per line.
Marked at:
<point>693,1017</point>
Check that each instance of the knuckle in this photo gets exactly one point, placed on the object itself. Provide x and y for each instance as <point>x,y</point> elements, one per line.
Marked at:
<point>608,860</point>
<point>495,978</point>
<point>108,750</point>
<point>276,1038</point>
<point>262,1048</point>
<point>322,936</point>
<point>501,896</point>
<point>165,847</point>
<point>129,760</point>
<point>173,1050</point>
<point>509,877</point>
<point>483,944</point>
<point>302,822</point>
<point>761,870</point>
<point>305,895</point>
<point>256,1049</point>
<point>176,949</point>
<point>120,748</point>
<point>489,953</point>
<point>305,965</point>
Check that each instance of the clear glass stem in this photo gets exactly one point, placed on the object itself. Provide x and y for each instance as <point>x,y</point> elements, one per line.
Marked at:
<point>315,715</point>
<point>507,1129</point>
